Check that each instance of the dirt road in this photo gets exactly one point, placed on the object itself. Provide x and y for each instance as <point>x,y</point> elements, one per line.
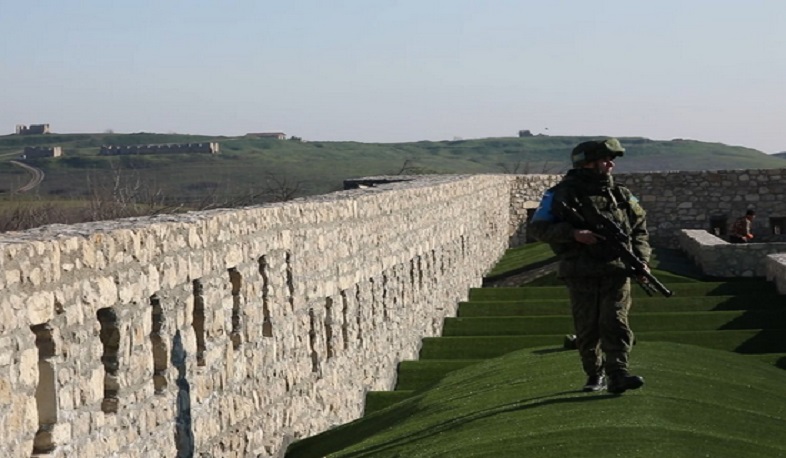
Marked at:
<point>36,176</point>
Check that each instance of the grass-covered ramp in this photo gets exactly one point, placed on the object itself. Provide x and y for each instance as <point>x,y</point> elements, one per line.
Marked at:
<point>498,382</point>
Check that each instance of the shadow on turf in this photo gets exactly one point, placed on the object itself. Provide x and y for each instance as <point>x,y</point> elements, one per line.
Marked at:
<point>458,422</point>
<point>766,341</point>
<point>765,319</point>
<point>546,351</point>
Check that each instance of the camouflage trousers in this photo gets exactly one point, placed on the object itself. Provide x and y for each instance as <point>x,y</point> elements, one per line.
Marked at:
<point>600,316</point>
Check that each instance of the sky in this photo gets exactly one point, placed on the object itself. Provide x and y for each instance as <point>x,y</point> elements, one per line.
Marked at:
<point>399,70</point>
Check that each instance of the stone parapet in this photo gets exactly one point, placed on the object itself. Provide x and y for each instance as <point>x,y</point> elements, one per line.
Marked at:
<point>776,271</point>
<point>231,332</point>
<point>718,258</point>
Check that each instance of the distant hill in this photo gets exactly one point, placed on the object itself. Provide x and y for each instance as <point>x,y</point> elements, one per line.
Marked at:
<point>781,155</point>
<point>261,167</point>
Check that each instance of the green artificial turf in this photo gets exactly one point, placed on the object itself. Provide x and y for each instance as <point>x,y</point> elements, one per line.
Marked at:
<point>665,277</point>
<point>499,383</point>
<point>528,403</point>
<point>418,374</point>
<point>642,322</point>
<point>481,347</point>
<point>640,305</point>
<point>520,258</point>
<point>378,400</point>
<point>747,288</point>
<point>669,265</point>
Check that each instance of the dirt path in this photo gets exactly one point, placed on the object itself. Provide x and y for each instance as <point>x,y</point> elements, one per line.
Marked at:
<point>36,176</point>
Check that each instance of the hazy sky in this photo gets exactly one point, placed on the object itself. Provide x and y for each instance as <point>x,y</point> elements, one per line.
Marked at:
<point>399,70</point>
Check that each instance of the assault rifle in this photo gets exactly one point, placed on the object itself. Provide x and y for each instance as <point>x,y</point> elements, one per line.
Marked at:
<point>618,241</point>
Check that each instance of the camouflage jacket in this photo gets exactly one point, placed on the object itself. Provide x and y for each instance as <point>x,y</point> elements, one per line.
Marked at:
<point>580,189</point>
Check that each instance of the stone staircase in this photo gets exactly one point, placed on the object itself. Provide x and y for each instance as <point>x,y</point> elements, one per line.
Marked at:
<point>746,316</point>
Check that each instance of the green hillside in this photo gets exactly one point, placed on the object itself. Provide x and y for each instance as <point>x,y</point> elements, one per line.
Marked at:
<point>252,166</point>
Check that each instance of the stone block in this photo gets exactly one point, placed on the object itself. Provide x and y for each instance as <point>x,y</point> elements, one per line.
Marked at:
<point>61,433</point>
<point>11,277</point>
<point>28,367</point>
<point>5,391</point>
<point>40,307</point>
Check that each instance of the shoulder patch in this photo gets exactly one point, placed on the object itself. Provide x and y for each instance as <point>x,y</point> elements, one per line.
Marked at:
<point>543,212</point>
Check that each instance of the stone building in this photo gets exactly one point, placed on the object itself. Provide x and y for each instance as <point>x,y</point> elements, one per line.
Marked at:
<point>276,135</point>
<point>34,152</point>
<point>33,129</point>
<point>174,148</point>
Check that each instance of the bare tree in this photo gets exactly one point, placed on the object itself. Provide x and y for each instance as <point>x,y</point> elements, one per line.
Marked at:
<point>122,193</point>
<point>27,215</point>
<point>281,188</point>
<point>273,188</point>
<point>516,168</point>
<point>410,168</point>
<point>523,168</point>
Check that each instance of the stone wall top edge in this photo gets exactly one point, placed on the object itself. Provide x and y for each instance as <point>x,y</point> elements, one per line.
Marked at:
<point>389,182</point>
<point>282,211</point>
<point>415,182</point>
<point>700,172</point>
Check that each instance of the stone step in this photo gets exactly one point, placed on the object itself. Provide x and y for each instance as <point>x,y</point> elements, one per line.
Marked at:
<point>413,375</point>
<point>378,400</point>
<point>730,288</point>
<point>640,322</point>
<point>481,347</point>
<point>533,307</point>
<point>419,374</point>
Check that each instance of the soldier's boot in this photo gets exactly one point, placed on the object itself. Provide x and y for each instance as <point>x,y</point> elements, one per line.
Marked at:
<point>595,383</point>
<point>620,382</point>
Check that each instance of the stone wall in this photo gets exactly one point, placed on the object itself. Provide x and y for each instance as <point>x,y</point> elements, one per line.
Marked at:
<point>776,271</point>
<point>34,152</point>
<point>691,200</point>
<point>680,200</point>
<point>525,196</point>
<point>228,333</point>
<point>173,148</point>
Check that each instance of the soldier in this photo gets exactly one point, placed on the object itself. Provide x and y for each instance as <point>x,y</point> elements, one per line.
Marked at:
<point>597,280</point>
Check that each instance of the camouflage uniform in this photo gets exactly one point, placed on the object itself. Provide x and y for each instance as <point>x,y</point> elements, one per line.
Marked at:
<point>597,280</point>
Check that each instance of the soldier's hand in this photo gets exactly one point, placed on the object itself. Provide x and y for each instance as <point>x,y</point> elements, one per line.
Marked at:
<point>642,278</point>
<point>585,236</point>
